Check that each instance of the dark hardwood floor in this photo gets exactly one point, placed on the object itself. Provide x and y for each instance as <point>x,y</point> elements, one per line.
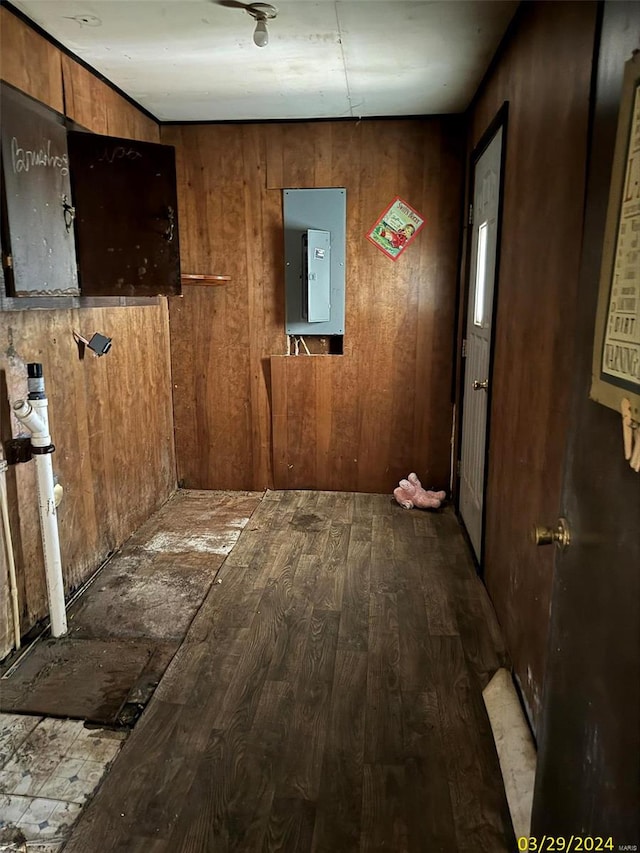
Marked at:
<point>327,697</point>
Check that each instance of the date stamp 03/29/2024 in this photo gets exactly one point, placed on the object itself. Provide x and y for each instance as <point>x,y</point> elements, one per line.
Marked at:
<point>572,844</point>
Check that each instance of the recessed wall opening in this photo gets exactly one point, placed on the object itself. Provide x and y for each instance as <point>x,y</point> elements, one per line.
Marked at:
<point>316,344</point>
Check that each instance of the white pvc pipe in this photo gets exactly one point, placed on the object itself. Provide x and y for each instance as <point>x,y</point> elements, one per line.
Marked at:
<point>13,584</point>
<point>37,425</point>
<point>33,414</point>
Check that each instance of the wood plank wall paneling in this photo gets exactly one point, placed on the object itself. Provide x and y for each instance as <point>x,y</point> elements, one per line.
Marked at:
<point>111,418</point>
<point>29,62</point>
<point>539,263</point>
<point>305,437</point>
<point>111,423</point>
<point>358,421</point>
<point>99,108</point>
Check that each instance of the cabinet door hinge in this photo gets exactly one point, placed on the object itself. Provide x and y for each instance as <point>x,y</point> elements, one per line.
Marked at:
<point>464,347</point>
<point>470,214</point>
<point>7,261</point>
<point>459,467</point>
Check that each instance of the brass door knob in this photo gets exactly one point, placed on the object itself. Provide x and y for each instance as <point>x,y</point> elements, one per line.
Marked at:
<point>480,386</point>
<point>558,535</point>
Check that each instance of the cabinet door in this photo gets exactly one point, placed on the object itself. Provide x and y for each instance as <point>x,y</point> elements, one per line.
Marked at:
<point>37,230</point>
<point>126,216</point>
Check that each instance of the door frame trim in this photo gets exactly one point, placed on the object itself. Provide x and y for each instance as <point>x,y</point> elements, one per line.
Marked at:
<point>500,120</point>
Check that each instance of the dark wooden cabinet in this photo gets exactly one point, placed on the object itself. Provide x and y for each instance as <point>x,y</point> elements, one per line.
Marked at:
<point>84,214</point>
<point>126,216</point>
<point>38,245</point>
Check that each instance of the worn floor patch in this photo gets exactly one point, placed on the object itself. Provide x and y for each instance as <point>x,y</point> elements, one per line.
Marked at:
<point>123,633</point>
<point>81,679</point>
<point>211,542</point>
<point>155,585</point>
<point>143,594</point>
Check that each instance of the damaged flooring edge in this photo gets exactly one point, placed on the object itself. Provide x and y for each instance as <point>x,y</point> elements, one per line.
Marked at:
<point>515,748</point>
<point>130,605</point>
<point>35,812</point>
<point>41,631</point>
<point>45,625</point>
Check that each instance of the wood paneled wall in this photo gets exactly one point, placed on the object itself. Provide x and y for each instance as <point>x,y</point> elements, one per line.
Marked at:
<point>101,109</point>
<point>111,417</point>
<point>544,74</point>
<point>357,421</point>
<point>33,65</point>
<point>111,423</point>
<point>29,62</point>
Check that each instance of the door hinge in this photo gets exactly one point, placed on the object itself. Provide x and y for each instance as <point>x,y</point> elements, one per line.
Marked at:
<point>464,348</point>
<point>470,214</point>
<point>7,261</point>
<point>458,467</point>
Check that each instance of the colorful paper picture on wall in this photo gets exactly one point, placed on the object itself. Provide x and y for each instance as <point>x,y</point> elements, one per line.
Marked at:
<point>396,228</point>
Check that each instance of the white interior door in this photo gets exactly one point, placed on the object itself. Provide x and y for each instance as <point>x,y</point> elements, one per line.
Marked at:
<point>486,196</point>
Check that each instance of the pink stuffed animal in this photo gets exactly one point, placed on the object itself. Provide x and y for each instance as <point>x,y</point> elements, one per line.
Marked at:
<point>410,493</point>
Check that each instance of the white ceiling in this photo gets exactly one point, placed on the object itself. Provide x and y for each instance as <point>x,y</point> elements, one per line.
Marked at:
<point>195,60</point>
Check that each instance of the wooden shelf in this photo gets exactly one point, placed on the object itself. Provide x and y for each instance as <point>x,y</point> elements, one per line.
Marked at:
<point>205,280</point>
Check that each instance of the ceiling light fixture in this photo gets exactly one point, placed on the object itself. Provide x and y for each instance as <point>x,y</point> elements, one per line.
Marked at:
<point>261,13</point>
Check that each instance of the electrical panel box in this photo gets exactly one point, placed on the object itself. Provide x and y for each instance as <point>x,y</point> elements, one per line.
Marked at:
<point>314,238</point>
